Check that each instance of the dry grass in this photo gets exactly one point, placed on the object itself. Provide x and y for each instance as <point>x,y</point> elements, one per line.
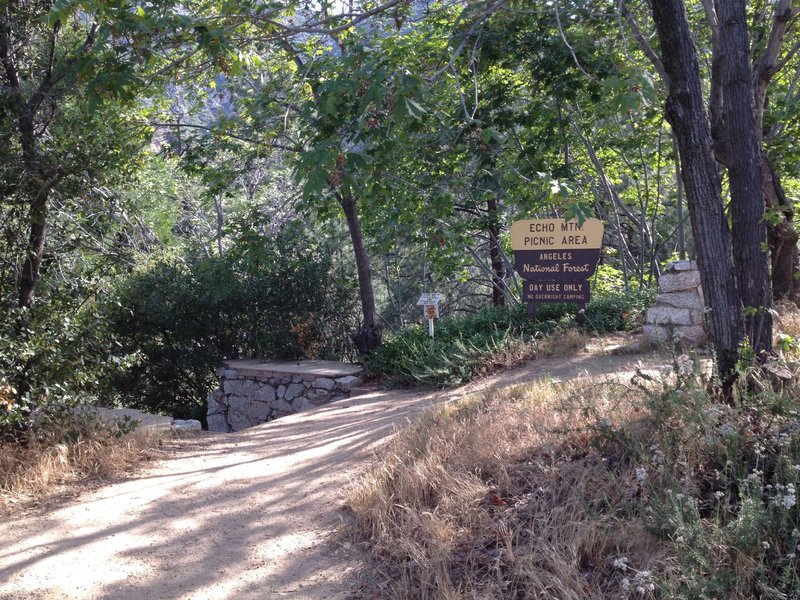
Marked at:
<point>646,488</point>
<point>787,322</point>
<point>563,342</point>
<point>40,463</point>
<point>506,497</point>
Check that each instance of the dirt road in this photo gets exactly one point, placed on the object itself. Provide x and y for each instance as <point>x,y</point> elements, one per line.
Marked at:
<point>249,515</point>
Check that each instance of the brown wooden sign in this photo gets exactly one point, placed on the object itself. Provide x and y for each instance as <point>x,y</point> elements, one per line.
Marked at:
<point>556,257</point>
<point>556,291</point>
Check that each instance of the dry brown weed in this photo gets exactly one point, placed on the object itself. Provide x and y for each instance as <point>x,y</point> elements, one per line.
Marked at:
<point>37,464</point>
<point>502,497</point>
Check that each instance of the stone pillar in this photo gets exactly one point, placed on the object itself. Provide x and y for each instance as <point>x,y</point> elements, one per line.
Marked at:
<point>678,314</point>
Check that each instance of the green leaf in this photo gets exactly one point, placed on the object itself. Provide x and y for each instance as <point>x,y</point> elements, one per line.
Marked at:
<point>490,134</point>
<point>579,211</point>
<point>413,108</point>
<point>59,12</point>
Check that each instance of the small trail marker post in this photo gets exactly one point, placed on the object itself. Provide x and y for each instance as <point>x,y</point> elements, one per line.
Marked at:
<point>430,309</point>
<point>556,258</point>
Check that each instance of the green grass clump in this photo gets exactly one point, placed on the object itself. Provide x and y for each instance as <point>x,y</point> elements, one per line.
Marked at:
<point>467,345</point>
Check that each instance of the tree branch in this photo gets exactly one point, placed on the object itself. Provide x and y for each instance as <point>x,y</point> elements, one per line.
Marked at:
<point>226,134</point>
<point>715,99</point>
<point>482,17</point>
<point>317,28</point>
<point>644,46</point>
<point>768,66</point>
<point>51,80</point>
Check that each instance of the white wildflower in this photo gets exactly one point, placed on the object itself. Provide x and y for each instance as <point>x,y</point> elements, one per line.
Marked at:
<point>644,581</point>
<point>754,476</point>
<point>785,496</point>
<point>685,365</point>
<point>621,563</point>
<point>641,474</point>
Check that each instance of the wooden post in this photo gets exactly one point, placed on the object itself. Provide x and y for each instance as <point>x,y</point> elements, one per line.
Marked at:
<point>581,318</point>
<point>532,311</point>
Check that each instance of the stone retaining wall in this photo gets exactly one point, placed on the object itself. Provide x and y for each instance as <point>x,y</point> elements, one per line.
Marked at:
<point>251,393</point>
<point>678,314</point>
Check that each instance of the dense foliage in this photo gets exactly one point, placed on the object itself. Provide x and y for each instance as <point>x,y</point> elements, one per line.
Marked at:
<point>275,297</point>
<point>143,139</point>
<point>468,345</point>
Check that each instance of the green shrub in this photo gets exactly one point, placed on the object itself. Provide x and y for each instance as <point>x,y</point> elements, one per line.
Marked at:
<point>463,345</point>
<point>273,298</point>
<point>52,357</point>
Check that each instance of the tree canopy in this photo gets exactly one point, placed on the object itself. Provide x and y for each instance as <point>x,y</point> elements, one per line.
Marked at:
<point>407,134</point>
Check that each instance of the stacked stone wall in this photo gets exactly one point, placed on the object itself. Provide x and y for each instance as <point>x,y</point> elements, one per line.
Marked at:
<point>247,398</point>
<point>678,314</point>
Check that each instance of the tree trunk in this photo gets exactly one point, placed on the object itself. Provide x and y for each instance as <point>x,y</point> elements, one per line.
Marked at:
<point>749,233</point>
<point>36,189</point>
<point>369,335</point>
<point>685,111</point>
<point>498,268</point>
<point>782,237</point>
<point>29,277</point>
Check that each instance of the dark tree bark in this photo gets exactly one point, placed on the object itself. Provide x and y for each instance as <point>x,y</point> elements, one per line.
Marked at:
<point>781,235</point>
<point>782,238</point>
<point>29,277</point>
<point>498,268</point>
<point>685,111</point>
<point>749,233</point>
<point>369,335</point>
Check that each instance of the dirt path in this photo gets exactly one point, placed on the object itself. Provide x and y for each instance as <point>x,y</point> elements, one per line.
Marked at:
<point>235,516</point>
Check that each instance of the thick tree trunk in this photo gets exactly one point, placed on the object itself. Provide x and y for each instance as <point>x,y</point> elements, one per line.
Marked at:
<point>782,238</point>
<point>749,232</point>
<point>685,110</point>
<point>498,268</point>
<point>29,277</point>
<point>369,336</point>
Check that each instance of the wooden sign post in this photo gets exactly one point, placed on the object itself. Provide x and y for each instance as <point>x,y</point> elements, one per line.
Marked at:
<point>556,257</point>
<point>430,308</point>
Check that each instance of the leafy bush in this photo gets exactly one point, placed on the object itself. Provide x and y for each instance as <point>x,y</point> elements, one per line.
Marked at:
<point>273,298</point>
<point>464,345</point>
<point>52,357</point>
<point>717,483</point>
